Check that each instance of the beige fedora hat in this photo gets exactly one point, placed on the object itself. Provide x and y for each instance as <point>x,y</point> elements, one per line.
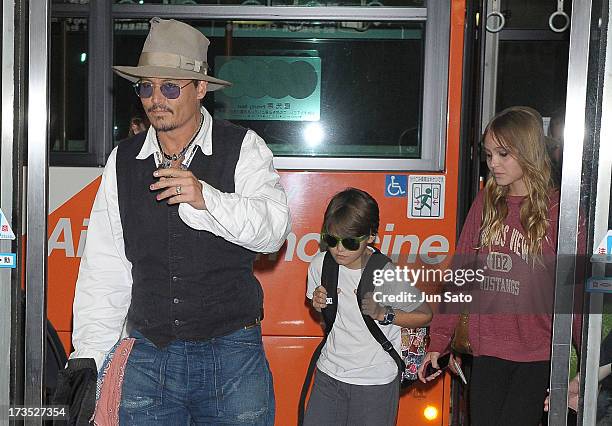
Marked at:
<point>173,49</point>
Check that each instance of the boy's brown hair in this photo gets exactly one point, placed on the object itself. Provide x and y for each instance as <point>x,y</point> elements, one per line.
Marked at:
<point>351,213</point>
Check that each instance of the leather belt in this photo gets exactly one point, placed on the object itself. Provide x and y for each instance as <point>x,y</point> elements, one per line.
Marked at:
<point>253,324</point>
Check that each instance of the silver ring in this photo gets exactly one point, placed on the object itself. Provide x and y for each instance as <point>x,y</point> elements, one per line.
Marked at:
<point>178,190</point>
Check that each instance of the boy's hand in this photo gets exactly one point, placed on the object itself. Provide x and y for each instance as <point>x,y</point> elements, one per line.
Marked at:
<point>319,298</point>
<point>374,309</point>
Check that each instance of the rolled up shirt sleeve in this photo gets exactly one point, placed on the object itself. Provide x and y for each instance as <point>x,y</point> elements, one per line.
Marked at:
<point>103,288</point>
<point>255,216</point>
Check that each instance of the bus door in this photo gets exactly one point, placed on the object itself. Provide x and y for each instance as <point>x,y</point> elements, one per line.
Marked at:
<point>23,222</point>
<point>586,191</point>
<point>563,51</point>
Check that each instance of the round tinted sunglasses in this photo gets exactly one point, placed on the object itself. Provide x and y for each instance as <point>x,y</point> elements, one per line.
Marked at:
<point>144,89</point>
<point>349,243</point>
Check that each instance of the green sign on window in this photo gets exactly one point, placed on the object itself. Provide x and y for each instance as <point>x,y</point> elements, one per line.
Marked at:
<point>286,88</point>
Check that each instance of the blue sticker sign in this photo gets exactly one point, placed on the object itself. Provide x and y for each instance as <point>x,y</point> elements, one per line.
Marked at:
<point>396,185</point>
<point>8,260</point>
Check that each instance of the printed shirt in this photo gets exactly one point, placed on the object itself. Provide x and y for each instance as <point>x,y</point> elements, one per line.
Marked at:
<point>351,354</point>
<point>510,316</point>
<point>255,216</point>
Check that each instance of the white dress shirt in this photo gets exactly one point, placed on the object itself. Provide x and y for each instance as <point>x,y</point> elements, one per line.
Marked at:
<point>255,216</point>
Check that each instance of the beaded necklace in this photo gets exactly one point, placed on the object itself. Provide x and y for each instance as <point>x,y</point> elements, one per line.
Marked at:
<point>175,157</point>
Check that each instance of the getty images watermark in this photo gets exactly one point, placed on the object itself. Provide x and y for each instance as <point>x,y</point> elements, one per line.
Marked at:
<point>410,276</point>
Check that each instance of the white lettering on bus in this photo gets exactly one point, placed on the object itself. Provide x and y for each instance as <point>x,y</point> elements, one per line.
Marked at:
<point>399,243</point>
<point>83,237</point>
<point>301,248</point>
<point>432,250</point>
<point>64,227</point>
<point>386,241</point>
<point>434,244</point>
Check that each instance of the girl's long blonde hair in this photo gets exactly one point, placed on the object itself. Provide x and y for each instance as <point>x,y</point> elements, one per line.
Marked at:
<point>519,130</point>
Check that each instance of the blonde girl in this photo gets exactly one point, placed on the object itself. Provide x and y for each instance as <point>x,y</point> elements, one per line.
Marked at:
<point>510,234</point>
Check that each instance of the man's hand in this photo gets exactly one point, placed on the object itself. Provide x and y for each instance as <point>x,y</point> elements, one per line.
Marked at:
<point>178,186</point>
<point>374,309</point>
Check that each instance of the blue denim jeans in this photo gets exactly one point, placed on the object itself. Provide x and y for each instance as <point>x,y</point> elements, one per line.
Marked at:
<point>222,381</point>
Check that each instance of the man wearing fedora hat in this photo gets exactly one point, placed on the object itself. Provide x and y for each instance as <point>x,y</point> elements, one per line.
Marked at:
<point>181,212</point>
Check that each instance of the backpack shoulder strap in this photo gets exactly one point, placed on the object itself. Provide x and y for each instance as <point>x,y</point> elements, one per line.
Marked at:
<point>329,280</point>
<point>366,284</point>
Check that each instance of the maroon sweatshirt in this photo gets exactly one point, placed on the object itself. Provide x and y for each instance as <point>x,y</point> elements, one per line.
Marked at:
<point>511,312</point>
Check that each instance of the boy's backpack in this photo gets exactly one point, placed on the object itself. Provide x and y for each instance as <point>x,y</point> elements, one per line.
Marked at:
<point>414,340</point>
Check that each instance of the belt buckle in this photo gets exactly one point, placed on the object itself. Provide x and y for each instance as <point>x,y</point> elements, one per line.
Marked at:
<point>253,324</point>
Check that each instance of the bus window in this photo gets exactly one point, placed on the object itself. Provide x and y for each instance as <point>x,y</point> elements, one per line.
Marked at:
<point>310,89</point>
<point>527,62</point>
<point>68,85</point>
<point>532,73</point>
<point>532,58</point>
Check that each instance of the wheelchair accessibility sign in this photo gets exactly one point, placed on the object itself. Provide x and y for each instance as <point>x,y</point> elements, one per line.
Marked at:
<point>395,185</point>
<point>426,197</point>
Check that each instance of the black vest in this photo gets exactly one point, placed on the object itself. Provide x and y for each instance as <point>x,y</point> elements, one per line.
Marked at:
<point>187,284</point>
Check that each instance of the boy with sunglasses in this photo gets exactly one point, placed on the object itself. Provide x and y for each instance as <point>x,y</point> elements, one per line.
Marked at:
<point>357,382</point>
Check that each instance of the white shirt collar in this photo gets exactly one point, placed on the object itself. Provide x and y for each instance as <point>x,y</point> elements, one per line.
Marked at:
<point>203,140</point>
